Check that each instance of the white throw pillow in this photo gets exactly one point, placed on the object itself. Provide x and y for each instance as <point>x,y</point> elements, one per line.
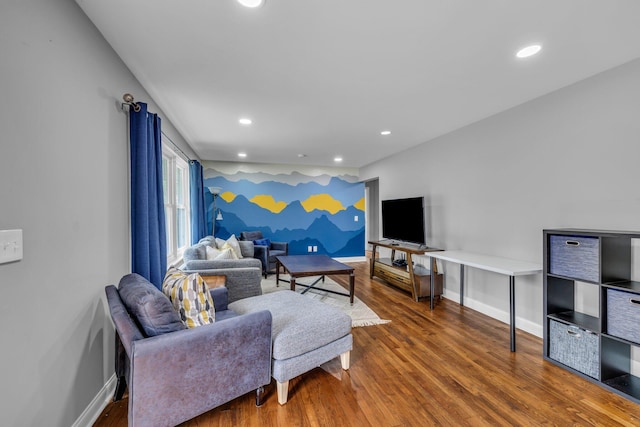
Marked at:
<point>233,242</point>
<point>212,253</point>
<point>226,253</point>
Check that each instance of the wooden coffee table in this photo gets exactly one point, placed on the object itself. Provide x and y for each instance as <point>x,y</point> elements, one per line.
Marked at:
<point>314,265</point>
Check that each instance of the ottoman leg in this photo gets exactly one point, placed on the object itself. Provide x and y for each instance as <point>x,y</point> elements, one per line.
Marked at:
<point>345,360</point>
<point>283,391</point>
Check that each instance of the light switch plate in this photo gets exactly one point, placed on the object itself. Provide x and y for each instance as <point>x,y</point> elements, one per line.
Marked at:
<point>10,246</point>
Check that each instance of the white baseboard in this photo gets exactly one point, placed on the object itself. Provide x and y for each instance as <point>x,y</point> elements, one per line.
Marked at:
<point>97,405</point>
<point>503,316</point>
<point>351,259</point>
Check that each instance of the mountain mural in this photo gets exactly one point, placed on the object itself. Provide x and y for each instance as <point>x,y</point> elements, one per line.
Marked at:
<point>308,213</point>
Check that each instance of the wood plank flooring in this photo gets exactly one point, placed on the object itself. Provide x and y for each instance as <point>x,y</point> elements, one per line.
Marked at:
<point>449,367</point>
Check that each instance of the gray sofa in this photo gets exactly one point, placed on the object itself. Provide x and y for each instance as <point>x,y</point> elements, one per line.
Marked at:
<point>242,276</point>
<point>174,374</point>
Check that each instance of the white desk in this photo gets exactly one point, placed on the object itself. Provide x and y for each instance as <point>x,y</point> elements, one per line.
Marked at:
<point>509,267</point>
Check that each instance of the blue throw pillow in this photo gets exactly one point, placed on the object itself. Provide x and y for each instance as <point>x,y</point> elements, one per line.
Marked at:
<point>262,242</point>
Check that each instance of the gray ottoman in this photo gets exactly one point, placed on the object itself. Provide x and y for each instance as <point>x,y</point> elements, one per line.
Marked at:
<point>305,334</point>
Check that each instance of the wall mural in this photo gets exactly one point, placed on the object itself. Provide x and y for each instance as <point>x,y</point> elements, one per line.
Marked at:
<point>320,211</point>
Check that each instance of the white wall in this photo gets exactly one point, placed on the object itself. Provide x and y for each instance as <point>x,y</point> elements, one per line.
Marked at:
<point>64,181</point>
<point>567,159</point>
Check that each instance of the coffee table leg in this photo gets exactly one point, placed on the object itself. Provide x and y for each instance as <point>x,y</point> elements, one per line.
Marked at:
<point>277,272</point>
<point>352,286</point>
<point>293,283</point>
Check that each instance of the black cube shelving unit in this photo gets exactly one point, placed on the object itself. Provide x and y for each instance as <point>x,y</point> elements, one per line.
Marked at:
<point>567,253</point>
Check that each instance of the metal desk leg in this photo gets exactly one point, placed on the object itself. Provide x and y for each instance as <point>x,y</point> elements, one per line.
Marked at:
<point>461,284</point>
<point>432,282</point>
<point>352,286</point>
<point>512,311</point>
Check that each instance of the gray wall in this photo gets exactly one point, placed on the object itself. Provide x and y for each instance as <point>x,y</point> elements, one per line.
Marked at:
<point>567,159</point>
<point>64,181</point>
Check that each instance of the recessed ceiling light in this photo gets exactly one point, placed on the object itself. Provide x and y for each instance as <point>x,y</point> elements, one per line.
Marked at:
<point>301,155</point>
<point>385,132</point>
<point>337,159</point>
<point>251,3</point>
<point>245,121</point>
<point>528,51</point>
<point>242,155</point>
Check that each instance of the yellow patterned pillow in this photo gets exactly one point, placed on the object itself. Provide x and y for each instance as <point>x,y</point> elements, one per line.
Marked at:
<point>190,296</point>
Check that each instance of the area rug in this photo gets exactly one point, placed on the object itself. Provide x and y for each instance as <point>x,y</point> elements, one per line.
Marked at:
<point>360,313</point>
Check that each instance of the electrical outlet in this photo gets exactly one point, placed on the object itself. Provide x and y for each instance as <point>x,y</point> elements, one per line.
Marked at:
<point>315,249</point>
<point>10,246</point>
<point>309,248</point>
<point>355,218</point>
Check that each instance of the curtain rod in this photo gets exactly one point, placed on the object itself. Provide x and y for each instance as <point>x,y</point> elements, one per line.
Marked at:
<point>184,155</point>
<point>128,100</point>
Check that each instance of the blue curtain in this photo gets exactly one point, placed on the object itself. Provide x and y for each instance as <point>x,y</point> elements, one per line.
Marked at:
<point>196,193</point>
<point>148,233</point>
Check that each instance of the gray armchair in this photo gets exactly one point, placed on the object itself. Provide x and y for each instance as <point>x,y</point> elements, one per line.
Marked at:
<point>174,374</point>
<point>265,253</point>
<point>242,276</point>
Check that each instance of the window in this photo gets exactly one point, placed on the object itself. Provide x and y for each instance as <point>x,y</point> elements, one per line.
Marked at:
<point>175,187</point>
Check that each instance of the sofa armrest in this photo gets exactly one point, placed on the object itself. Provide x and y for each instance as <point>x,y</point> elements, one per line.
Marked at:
<point>179,375</point>
<point>261,253</point>
<point>240,282</point>
<point>243,283</point>
<point>214,264</point>
<point>280,246</point>
<point>125,326</point>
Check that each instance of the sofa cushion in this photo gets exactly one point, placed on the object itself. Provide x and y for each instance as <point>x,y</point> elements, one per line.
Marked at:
<point>149,308</point>
<point>209,240</point>
<point>195,252</point>
<point>300,324</point>
<point>246,248</point>
<point>251,235</point>
<point>225,314</point>
<point>190,296</point>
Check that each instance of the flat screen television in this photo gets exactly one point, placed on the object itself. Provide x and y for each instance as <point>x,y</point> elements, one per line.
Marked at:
<point>403,219</point>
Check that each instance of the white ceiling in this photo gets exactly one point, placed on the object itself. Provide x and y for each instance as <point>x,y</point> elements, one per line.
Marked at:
<point>324,77</point>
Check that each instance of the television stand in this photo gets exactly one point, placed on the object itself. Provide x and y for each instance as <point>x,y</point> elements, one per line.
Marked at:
<point>404,277</point>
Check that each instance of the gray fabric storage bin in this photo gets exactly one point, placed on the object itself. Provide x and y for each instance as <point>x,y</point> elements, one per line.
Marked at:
<point>576,257</point>
<point>575,347</point>
<point>623,315</point>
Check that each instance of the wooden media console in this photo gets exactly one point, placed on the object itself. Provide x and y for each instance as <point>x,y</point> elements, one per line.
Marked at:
<point>404,277</point>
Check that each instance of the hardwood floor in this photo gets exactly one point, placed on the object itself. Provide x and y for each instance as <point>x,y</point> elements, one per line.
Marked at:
<point>448,367</point>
